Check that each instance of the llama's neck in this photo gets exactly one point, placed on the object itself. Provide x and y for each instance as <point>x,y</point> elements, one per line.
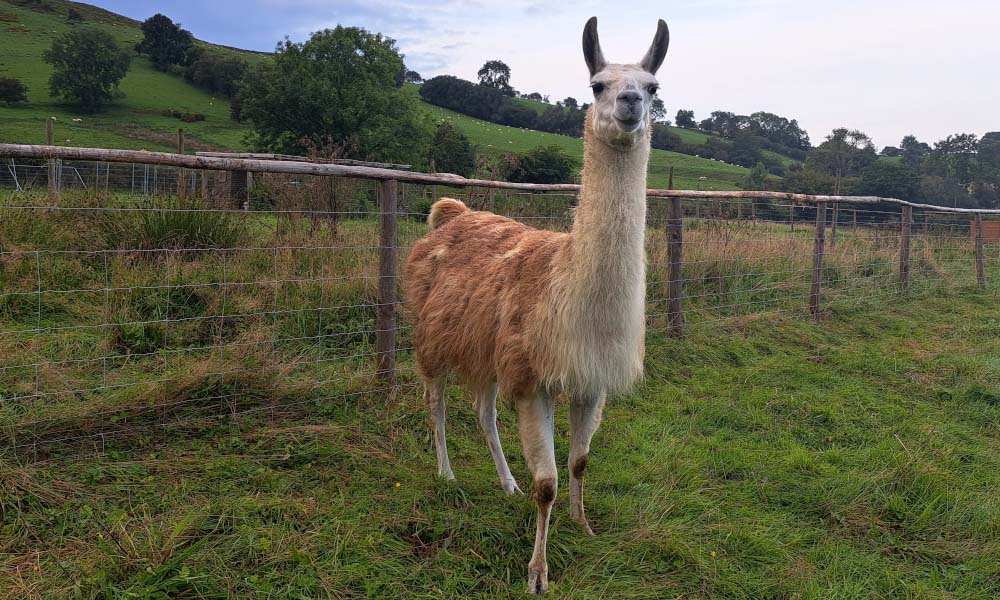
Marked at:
<point>610,222</point>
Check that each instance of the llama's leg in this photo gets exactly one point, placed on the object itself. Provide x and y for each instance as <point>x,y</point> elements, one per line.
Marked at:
<point>535,418</point>
<point>434,395</point>
<point>584,418</point>
<point>486,407</point>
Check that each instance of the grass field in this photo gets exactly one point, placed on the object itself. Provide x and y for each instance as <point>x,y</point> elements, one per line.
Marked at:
<point>764,456</point>
<point>134,122</point>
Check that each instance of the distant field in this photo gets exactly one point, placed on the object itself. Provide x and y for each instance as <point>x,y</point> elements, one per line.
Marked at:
<point>135,122</point>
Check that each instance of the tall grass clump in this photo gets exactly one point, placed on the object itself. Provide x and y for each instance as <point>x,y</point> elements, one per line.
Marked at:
<point>183,224</point>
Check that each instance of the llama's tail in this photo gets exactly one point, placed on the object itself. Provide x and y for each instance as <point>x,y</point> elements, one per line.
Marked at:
<point>445,210</point>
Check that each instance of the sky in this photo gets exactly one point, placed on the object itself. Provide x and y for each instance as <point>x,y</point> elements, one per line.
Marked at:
<point>889,68</point>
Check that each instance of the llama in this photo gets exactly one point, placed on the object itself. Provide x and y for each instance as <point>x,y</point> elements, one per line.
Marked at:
<point>536,314</point>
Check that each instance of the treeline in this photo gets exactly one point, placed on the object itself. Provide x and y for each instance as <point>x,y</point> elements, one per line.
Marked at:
<point>492,104</point>
<point>961,170</point>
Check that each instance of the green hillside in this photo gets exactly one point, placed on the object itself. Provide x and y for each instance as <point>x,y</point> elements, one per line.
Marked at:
<point>136,121</point>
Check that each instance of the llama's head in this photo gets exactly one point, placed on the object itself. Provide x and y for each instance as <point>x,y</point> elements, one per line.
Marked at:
<point>623,93</point>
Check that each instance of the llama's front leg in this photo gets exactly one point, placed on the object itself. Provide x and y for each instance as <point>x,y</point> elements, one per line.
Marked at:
<point>434,395</point>
<point>585,418</point>
<point>486,408</point>
<point>535,415</point>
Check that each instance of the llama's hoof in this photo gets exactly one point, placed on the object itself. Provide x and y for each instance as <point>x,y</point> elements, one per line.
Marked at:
<point>538,579</point>
<point>581,519</point>
<point>510,487</point>
<point>586,527</point>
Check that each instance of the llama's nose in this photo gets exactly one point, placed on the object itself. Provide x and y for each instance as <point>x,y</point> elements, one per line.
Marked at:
<point>629,96</point>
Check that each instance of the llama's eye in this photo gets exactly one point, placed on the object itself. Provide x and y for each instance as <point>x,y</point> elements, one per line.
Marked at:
<point>598,88</point>
<point>652,89</point>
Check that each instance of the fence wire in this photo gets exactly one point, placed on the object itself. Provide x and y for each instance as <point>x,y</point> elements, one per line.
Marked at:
<point>138,303</point>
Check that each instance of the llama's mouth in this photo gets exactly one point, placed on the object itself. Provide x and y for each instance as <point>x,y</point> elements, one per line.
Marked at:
<point>628,125</point>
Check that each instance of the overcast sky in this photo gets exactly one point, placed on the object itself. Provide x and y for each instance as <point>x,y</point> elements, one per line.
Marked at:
<point>889,68</point>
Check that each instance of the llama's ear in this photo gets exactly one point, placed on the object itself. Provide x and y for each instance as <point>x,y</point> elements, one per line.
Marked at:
<point>592,48</point>
<point>658,50</point>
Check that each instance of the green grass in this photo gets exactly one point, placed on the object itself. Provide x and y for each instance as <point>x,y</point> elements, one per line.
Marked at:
<point>765,456</point>
<point>134,122</point>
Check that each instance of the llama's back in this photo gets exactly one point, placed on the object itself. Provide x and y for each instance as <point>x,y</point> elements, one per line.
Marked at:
<point>471,284</point>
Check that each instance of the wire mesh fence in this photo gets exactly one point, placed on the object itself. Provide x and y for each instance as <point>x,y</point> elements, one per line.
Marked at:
<point>140,302</point>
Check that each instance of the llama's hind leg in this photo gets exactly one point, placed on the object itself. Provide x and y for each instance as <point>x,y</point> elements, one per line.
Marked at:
<point>486,408</point>
<point>535,416</point>
<point>434,395</point>
<point>585,418</point>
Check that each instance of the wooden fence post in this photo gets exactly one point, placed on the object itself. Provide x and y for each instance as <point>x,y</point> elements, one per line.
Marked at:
<point>385,336</point>
<point>180,170</point>
<point>239,189</point>
<point>675,273</point>
<point>791,216</point>
<point>904,247</point>
<point>980,267</point>
<point>820,242</point>
<point>49,140</point>
<point>836,221</point>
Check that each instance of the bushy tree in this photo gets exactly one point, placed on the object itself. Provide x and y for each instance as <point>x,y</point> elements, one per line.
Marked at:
<point>516,115</point>
<point>413,77</point>
<point>664,139</point>
<point>954,157</point>
<point>756,179</point>
<point>451,151</point>
<point>456,94</point>
<point>496,74</point>
<point>544,164</point>
<point>570,102</point>
<point>889,179</point>
<point>216,73</point>
<point>804,180</point>
<point>685,119</point>
<point>74,16</point>
<point>844,154</point>
<point>336,89</point>
<point>166,43</point>
<point>913,151</point>
<point>87,67</point>
<point>12,91</point>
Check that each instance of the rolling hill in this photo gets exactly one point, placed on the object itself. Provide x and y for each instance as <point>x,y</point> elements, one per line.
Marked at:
<point>137,121</point>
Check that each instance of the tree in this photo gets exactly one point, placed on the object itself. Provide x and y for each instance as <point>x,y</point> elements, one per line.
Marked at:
<point>845,153</point>
<point>166,43</point>
<point>891,152</point>
<point>756,179</point>
<point>570,102</point>
<point>463,96</point>
<point>74,16</point>
<point>805,180</point>
<point>657,110</point>
<point>685,119</point>
<point>664,139</point>
<point>496,74</point>
<point>913,151</point>
<point>889,179</point>
<point>989,157</point>
<point>87,67</point>
<point>12,91</point>
<point>451,151</point>
<point>217,73</point>
<point>413,77</point>
<point>336,89</point>
<point>544,164</point>
<point>954,157</point>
